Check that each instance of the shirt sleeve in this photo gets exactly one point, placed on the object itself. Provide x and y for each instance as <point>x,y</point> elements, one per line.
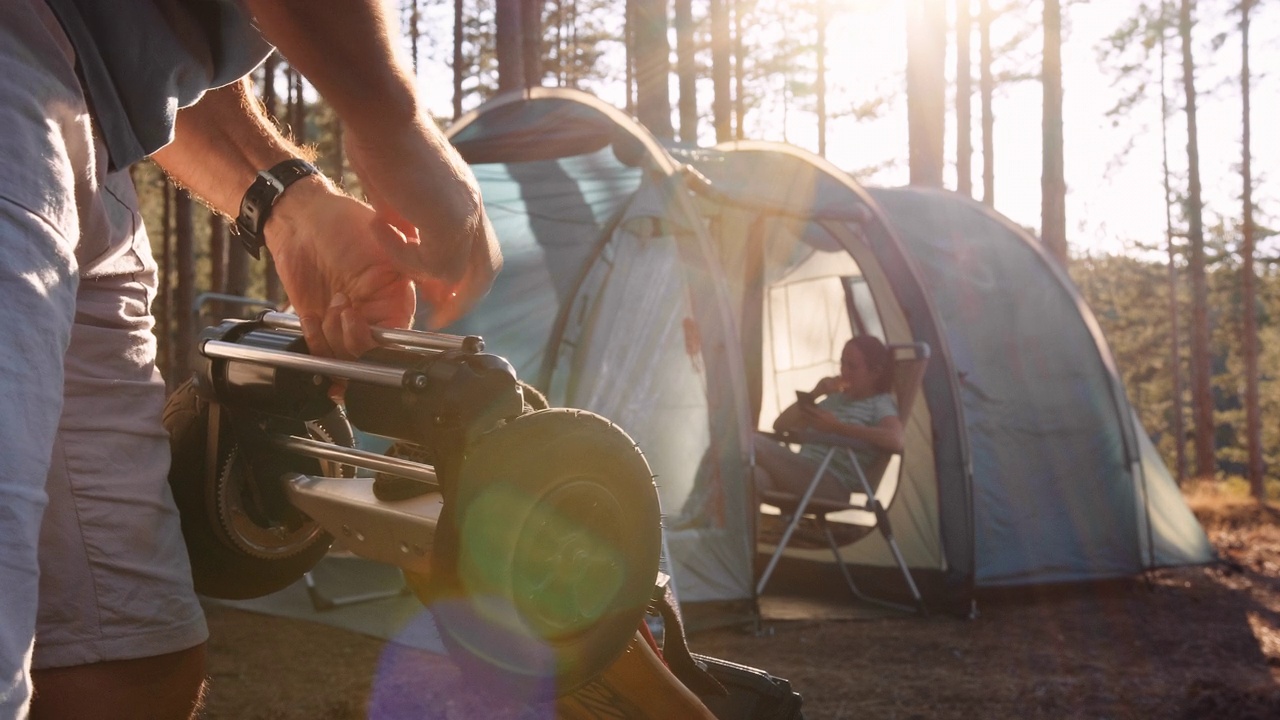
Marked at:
<point>885,406</point>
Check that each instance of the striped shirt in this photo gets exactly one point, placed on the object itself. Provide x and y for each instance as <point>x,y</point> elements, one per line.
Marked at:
<point>868,412</point>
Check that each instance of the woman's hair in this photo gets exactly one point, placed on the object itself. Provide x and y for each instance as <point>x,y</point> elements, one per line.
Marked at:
<point>878,358</point>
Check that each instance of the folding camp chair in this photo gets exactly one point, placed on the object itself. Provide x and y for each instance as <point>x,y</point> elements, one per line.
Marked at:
<point>909,364</point>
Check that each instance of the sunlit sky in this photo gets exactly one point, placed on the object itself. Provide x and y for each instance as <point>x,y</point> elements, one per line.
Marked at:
<point>1113,201</point>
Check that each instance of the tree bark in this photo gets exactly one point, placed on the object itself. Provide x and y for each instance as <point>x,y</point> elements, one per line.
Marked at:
<point>458,70</point>
<point>269,96</point>
<point>185,291</point>
<point>739,72</point>
<point>1053,183</point>
<point>687,71</point>
<point>721,72</point>
<point>986,88</point>
<point>926,90</point>
<point>531,42</point>
<point>964,97</point>
<point>820,84</point>
<point>164,301</point>
<point>1248,281</point>
<point>629,35</point>
<point>653,66</point>
<point>1201,382</point>
<point>1175,341</point>
<point>510,49</point>
<point>414,31</point>
<point>217,253</point>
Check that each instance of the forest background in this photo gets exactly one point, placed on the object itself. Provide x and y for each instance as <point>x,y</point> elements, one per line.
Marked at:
<point>1118,132</point>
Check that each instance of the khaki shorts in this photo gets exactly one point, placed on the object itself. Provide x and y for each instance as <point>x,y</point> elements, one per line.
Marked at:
<point>82,397</point>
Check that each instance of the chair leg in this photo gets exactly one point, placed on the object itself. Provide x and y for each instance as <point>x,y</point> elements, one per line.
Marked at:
<point>795,522</point>
<point>848,577</point>
<point>886,530</point>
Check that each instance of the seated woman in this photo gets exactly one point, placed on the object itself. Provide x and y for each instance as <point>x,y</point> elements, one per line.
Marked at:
<point>856,404</point>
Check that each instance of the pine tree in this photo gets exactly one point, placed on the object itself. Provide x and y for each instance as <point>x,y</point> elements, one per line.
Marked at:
<point>510,45</point>
<point>986,88</point>
<point>964,96</point>
<point>721,46</point>
<point>1201,380</point>
<point>926,89</point>
<point>653,66</point>
<point>1248,302</point>
<point>687,71</point>
<point>1053,184</point>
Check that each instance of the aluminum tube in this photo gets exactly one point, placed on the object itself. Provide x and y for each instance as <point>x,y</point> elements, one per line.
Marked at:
<point>410,338</point>
<point>362,372</point>
<point>359,458</point>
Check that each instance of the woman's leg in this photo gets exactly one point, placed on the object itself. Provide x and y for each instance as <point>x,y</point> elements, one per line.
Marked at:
<point>787,472</point>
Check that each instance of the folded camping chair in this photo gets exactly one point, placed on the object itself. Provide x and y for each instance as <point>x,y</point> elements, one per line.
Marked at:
<point>909,364</point>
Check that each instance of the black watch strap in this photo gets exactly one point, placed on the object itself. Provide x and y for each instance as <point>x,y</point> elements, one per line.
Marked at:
<point>262,195</point>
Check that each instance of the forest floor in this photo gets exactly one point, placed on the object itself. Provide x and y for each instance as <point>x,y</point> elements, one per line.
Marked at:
<point>1193,643</point>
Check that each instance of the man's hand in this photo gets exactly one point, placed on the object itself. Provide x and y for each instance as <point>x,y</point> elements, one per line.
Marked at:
<point>334,256</point>
<point>450,250</point>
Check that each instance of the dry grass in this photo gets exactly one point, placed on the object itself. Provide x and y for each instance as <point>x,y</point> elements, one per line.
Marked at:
<point>1190,643</point>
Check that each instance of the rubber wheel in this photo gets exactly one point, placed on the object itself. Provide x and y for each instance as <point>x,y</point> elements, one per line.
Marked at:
<point>219,568</point>
<point>545,560</point>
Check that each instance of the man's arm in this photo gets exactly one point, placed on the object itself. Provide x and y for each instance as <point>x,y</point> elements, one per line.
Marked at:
<point>334,254</point>
<point>413,177</point>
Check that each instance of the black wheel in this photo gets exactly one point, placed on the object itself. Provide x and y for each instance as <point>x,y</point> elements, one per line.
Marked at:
<point>545,558</point>
<point>237,550</point>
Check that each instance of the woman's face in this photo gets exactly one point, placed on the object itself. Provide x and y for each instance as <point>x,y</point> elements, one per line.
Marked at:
<point>859,379</point>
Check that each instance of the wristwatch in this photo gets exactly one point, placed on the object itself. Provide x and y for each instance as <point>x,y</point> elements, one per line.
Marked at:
<point>262,195</point>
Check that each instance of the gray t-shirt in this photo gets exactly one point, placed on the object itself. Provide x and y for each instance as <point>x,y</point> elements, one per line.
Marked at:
<point>867,411</point>
<point>141,61</point>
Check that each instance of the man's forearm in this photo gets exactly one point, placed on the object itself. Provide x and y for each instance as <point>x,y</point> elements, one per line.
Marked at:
<point>220,144</point>
<point>410,173</point>
<point>346,49</point>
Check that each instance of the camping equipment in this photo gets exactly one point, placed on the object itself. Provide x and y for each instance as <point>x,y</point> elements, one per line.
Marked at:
<point>909,362</point>
<point>687,292</point>
<point>535,539</point>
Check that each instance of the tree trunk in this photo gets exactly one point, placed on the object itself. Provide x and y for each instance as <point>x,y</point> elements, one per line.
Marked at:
<point>926,90</point>
<point>964,96</point>
<point>1053,183</point>
<point>185,291</point>
<point>458,69</point>
<point>531,41</point>
<point>1248,286</point>
<point>739,72</point>
<point>687,71</point>
<point>721,103</point>
<point>509,45</point>
<point>164,301</point>
<point>269,96</point>
<point>629,42</point>
<point>1175,341</point>
<point>653,66</point>
<point>217,253</point>
<point>820,84</point>
<point>414,23</point>
<point>237,271</point>
<point>273,109</point>
<point>986,88</point>
<point>1201,382</point>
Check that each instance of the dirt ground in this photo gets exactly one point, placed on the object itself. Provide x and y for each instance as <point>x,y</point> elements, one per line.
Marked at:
<point>1190,643</point>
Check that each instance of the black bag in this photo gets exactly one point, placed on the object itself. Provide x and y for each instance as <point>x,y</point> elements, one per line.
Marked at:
<point>753,694</point>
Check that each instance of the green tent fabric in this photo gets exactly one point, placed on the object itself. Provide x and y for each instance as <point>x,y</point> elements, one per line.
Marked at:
<point>684,293</point>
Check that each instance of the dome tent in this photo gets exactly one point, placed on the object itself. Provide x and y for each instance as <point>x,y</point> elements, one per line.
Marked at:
<point>684,293</point>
